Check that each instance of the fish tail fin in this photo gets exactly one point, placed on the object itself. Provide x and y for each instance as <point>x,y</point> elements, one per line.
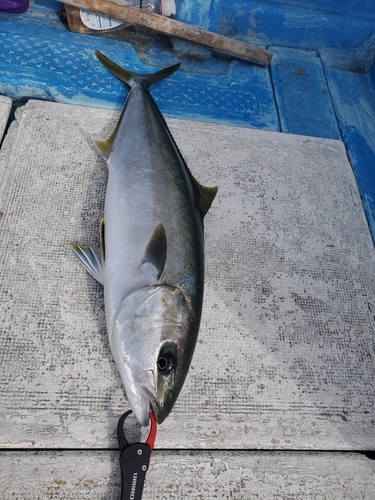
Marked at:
<point>131,78</point>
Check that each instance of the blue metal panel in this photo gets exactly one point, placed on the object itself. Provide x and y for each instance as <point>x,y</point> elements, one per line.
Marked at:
<point>203,13</point>
<point>344,31</point>
<point>353,95</point>
<point>301,94</point>
<point>358,8</point>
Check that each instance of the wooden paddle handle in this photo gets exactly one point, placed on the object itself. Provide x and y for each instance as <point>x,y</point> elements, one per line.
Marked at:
<point>168,26</point>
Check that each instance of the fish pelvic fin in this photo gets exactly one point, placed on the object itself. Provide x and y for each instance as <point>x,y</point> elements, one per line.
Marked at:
<point>91,259</point>
<point>156,253</point>
<point>129,77</point>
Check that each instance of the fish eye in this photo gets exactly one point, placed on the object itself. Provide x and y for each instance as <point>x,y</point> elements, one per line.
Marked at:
<point>166,363</point>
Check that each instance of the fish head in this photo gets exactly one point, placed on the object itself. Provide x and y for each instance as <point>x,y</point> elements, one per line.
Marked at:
<point>154,337</point>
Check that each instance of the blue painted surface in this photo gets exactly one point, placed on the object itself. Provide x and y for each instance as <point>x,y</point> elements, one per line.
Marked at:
<point>343,31</point>
<point>353,95</point>
<point>314,41</point>
<point>302,94</point>
<point>49,62</point>
<point>372,76</point>
<point>203,13</point>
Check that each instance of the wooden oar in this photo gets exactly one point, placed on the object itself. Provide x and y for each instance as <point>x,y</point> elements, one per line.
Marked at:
<point>178,29</point>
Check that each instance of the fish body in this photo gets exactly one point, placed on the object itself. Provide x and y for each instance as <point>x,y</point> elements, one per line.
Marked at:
<point>151,260</point>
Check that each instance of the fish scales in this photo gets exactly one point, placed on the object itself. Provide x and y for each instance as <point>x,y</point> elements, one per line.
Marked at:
<point>151,260</point>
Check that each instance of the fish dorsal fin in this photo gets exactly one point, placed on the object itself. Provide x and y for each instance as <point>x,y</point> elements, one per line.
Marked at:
<point>102,241</point>
<point>204,195</point>
<point>105,146</point>
<point>156,252</point>
<point>91,259</point>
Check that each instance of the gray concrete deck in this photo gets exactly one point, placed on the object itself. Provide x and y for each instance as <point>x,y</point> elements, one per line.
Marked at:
<point>5,107</point>
<point>285,355</point>
<point>198,475</point>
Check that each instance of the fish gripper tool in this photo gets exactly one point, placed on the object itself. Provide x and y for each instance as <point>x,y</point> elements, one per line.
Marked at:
<point>134,460</point>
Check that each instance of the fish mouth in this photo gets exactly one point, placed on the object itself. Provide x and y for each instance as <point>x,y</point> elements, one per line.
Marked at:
<point>162,409</point>
<point>160,413</point>
<point>145,399</point>
<point>145,396</point>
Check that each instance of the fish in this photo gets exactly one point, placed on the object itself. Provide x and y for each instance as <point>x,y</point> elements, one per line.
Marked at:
<point>151,255</point>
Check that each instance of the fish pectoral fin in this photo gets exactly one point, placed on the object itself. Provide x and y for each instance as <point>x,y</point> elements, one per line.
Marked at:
<point>204,195</point>
<point>91,259</point>
<point>156,252</point>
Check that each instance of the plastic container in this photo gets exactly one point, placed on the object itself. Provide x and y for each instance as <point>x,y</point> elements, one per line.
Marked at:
<point>164,7</point>
<point>14,6</point>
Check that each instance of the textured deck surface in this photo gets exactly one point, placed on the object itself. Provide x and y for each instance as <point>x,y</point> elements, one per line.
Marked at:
<point>289,300</point>
<point>285,355</point>
<point>197,475</point>
<point>5,107</point>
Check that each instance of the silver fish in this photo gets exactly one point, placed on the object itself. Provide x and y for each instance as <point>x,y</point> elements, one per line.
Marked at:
<point>151,260</point>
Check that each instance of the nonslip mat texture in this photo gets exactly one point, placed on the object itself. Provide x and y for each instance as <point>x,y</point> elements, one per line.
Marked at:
<point>285,353</point>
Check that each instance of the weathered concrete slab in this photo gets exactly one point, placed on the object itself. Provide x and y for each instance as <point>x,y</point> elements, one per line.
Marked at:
<point>5,107</point>
<point>190,475</point>
<point>286,349</point>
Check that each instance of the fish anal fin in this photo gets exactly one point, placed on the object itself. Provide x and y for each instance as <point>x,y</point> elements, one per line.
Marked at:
<point>156,251</point>
<point>91,259</point>
<point>204,195</point>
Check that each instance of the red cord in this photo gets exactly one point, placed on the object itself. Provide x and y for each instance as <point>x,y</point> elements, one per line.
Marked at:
<point>151,437</point>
